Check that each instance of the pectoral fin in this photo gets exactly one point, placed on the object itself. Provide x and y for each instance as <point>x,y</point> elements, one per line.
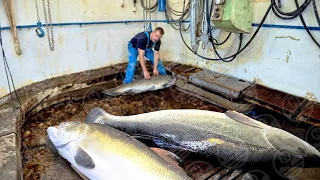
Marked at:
<point>169,157</point>
<point>152,88</point>
<point>113,91</point>
<point>83,159</point>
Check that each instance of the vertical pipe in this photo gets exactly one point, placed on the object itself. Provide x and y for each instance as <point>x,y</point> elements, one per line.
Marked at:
<point>162,5</point>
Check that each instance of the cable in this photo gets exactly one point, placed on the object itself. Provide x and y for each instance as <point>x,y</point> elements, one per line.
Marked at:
<point>243,48</point>
<point>304,24</point>
<point>234,57</point>
<point>218,44</point>
<point>207,15</point>
<point>7,69</point>
<point>316,11</point>
<point>149,9</point>
<point>184,14</point>
<point>289,15</point>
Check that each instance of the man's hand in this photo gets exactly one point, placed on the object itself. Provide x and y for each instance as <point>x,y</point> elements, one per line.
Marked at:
<point>146,74</point>
<point>155,72</point>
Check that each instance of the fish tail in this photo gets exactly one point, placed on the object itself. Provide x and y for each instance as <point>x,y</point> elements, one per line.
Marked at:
<point>112,92</point>
<point>96,115</point>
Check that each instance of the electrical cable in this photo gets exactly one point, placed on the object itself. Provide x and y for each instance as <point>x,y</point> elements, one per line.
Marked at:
<point>149,9</point>
<point>218,44</point>
<point>289,15</point>
<point>211,37</point>
<point>7,70</point>
<point>243,48</point>
<point>184,14</point>
<point>316,11</point>
<point>304,24</point>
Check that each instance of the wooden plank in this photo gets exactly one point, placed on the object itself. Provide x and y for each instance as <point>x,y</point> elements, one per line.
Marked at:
<point>222,84</point>
<point>218,99</point>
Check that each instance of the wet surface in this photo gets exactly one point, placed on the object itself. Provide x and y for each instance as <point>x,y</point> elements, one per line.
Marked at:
<point>40,161</point>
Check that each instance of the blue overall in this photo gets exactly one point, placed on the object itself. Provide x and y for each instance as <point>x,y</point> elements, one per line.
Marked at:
<point>133,54</point>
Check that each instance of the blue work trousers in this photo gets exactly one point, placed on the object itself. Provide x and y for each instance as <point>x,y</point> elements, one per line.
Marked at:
<point>131,69</point>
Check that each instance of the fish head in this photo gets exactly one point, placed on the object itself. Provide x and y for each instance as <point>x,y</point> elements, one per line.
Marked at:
<point>170,81</point>
<point>286,142</point>
<point>66,132</point>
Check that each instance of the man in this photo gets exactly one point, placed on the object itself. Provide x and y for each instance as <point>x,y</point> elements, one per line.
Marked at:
<point>141,45</point>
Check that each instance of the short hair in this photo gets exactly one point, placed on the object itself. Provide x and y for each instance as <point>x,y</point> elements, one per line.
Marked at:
<point>159,29</point>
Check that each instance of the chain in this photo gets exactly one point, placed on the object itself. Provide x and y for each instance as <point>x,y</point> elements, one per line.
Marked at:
<point>51,41</point>
<point>38,17</point>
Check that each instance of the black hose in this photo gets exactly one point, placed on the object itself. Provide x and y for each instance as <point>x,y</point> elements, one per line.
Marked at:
<point>316,11</point>
<point>304,24</point>
<point>218,44</point>
<point>289,15</point>
<point>7,69</point>
<point>182,16</point>
<point>243,48</point>
<point>149,9</point>
<point>208,14</point>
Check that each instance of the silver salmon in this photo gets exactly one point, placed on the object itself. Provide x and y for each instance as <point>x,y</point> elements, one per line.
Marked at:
<point>229,135</point>
<point>142,85</point>
<point>102,152</point>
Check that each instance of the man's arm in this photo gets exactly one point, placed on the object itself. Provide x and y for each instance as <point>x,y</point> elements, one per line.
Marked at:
<point>143,64</point>
<point>156,60</point>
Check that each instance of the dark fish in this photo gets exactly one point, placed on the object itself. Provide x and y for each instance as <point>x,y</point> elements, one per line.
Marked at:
<point>229,135</point>
<point>142,85</point>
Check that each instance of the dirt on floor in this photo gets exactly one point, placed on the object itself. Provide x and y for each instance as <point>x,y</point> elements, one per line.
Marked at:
<point>40,161</point>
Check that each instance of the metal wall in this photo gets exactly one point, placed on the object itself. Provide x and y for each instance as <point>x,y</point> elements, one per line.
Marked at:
<point>282,56</point>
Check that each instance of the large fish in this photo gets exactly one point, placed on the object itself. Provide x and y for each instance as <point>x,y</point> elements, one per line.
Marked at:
<point>228,136</point>
<point>142,85</point>
<point>102,152</point>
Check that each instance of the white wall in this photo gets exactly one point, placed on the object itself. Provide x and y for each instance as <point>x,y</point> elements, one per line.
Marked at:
<point>283,59</point>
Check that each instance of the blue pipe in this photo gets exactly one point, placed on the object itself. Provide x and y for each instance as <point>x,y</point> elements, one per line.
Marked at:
<point>90,23</point>
<point>311,28</point>
<point>162,5</point>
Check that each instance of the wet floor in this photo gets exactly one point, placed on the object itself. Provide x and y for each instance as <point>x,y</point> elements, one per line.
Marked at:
<point>42,162</point>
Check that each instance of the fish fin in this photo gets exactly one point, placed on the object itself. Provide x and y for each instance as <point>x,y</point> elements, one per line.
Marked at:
<point>162,143</point>
<point>152,88</point>
<point>142,136</point>
<point>84,177</point>
<point>167,155</point>
<point>132,92</point>
<point>94,115</point>
<point>243,119</point>
<point>169,84</point>
<point>83,159</point>
<point>112,91</point>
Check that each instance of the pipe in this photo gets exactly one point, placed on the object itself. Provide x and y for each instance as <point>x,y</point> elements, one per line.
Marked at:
<point>312,28</point>
<point>162,5</point>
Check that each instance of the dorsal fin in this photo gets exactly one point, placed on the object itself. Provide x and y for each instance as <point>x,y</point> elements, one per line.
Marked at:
<point>243,119</point>
<point>94,115</point>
